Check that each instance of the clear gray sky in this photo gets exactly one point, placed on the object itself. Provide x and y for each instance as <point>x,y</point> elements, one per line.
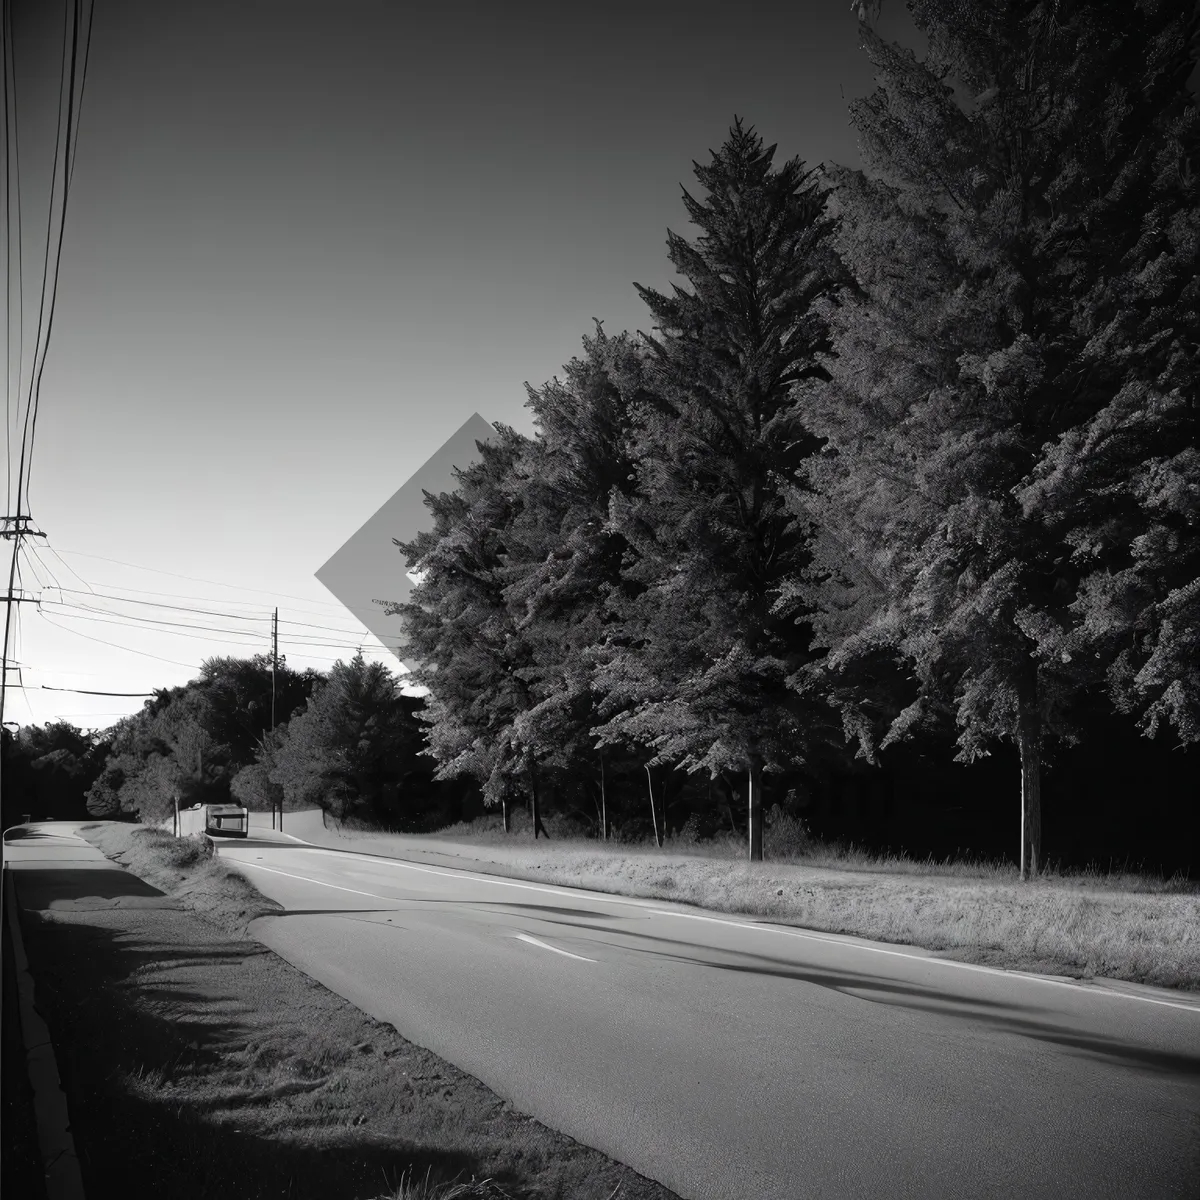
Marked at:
<point>306,241</point>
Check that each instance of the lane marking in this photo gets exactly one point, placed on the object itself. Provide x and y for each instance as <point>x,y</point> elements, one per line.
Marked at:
<point>525,937</point>
<point>759,927</point>
<point>306,879</point>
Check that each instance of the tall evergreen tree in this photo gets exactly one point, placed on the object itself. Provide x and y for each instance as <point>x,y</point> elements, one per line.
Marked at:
<point>699,673</point>
<point>1013,407</point>
<point>471,654</point>
<point>567,569</point>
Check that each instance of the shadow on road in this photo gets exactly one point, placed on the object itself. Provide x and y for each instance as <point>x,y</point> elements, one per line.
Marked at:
<point>996,1014</point>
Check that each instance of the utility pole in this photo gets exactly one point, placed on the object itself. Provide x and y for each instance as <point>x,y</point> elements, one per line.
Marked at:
<point>15,528</point>
<point>274,662</point>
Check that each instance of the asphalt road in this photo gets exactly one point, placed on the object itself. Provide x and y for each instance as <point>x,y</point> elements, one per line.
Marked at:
<point>733,1058</point>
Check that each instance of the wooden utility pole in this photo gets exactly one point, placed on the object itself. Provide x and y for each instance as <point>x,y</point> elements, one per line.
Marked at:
<point>15,528</point>
<point>274,662</point>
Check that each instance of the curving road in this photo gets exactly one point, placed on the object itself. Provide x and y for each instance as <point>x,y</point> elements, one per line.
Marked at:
<point>732,1058</point>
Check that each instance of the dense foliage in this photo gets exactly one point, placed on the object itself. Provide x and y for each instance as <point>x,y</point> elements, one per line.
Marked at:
<point>1011,425</point>
<point>48,769</point>
<point>913,454</point>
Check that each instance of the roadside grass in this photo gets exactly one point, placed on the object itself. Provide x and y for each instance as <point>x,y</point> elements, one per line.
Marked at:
<point>228,1072</point>
<point>1089,923</point>
<point>184,868</point>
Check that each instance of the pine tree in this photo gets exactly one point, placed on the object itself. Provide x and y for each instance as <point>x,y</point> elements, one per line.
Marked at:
<point>698,673</point>
<point>566,567</point>
<point>1013,402</point>
<point>472,656</point>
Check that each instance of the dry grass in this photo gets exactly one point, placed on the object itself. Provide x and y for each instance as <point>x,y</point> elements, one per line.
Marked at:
<point>1089,923</point>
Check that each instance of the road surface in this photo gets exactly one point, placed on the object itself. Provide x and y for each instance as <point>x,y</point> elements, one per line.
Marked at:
<point>732,1058</point>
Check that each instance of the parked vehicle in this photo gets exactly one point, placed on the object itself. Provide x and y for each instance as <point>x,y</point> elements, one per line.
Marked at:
<point>226,820</point>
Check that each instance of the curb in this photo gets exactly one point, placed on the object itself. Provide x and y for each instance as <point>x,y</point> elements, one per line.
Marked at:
<point>57,1146</point>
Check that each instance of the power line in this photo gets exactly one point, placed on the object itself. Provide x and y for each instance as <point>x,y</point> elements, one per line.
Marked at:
<point>64,143</point>
<point>44,687</point>
<point>87,54</point>
<point>33,550</point>
<point>356,638</point>
<point>265,616</point>
<point>207,612</point>
<point>216,583</point>
<point>132,621</point>
<point>67,564</point>
<point>68,134</point>
<point>145,654</point>
<point>12,214</point>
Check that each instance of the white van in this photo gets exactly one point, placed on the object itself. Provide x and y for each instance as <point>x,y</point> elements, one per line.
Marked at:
<point>226,820</point>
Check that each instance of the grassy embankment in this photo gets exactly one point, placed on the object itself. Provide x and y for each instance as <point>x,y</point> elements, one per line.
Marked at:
<point>234,1062</point>
<point>1119,925</point>
<point>186,869</point>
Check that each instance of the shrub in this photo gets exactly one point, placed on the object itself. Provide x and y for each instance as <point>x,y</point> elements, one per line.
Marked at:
<point>785,836</point>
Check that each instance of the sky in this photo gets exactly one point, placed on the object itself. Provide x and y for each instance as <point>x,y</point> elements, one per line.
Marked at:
<point>305,242</point>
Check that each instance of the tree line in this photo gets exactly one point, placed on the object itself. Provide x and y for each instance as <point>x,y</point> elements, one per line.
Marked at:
<point>909,456</point>
<point>349,742</point>
<point>910,451</point>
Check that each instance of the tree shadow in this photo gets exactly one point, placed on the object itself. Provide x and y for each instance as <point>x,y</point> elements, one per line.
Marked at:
<point>872,988</point>
<point>45,887</point>
<point>116,1025</point>
<point>994,1014</point>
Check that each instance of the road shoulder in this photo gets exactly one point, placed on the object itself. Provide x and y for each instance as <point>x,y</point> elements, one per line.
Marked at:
<point>199,1063</point>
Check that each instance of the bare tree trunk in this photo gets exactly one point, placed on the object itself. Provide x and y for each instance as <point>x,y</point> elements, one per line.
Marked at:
<point>754,781</point>
<point>535,808</point>
<point>653,815</point>
<point>1029,739</point>
<point>603,803</point>
<point>504,809</point>
<point>729,797</point>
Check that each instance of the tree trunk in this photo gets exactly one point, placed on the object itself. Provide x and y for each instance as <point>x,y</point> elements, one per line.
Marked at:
<point>1029,739</point>
<point>603,804</point>
<point>754,787</point>
<point>535,807</point>
<point>653,815</point>
<point>504,809</point>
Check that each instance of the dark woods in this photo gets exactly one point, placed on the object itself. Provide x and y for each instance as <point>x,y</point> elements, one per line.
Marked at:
<point>890,526</point>
<point>905,476</point>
